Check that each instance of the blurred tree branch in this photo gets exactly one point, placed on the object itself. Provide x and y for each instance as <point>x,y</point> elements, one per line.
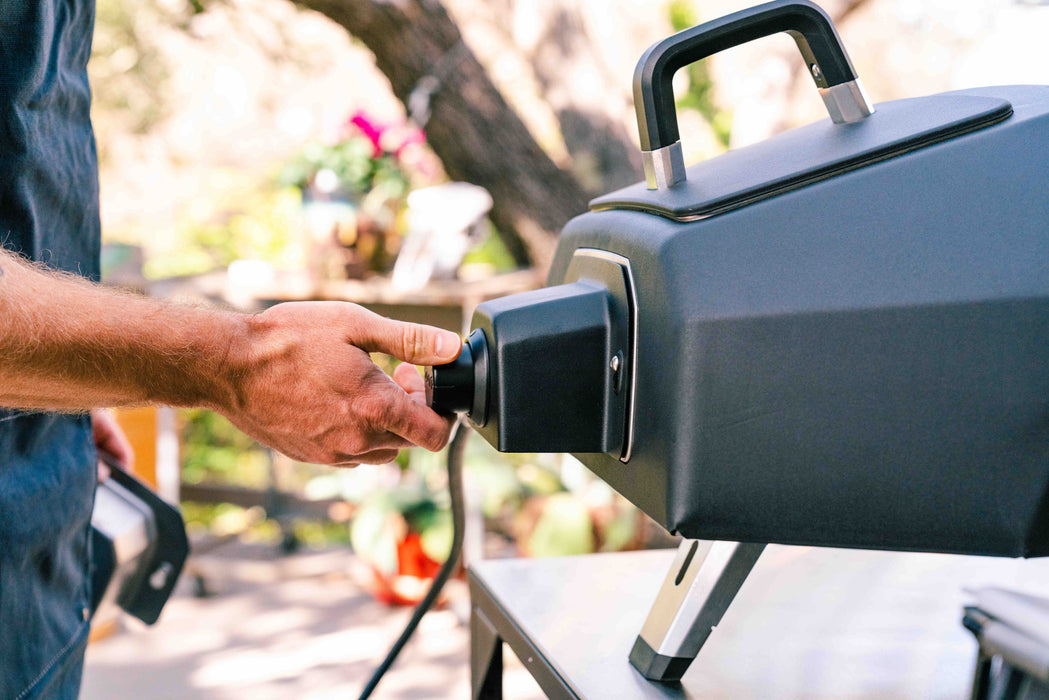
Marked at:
<point>578,58</point>
<point>475,132</point>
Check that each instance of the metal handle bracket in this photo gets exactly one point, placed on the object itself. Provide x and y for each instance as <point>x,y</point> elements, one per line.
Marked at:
<point>809,26</point>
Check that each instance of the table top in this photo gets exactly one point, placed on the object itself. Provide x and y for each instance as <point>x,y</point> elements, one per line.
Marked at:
<point>300,286</point>
<point>809,622</point>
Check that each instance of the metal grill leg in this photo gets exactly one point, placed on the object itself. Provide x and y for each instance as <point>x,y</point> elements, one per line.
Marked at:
<point>981,678</point>
<point>698,589</point>
<point>486,658</point>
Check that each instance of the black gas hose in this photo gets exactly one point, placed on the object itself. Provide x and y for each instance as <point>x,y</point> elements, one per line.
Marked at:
<point>456,449</point>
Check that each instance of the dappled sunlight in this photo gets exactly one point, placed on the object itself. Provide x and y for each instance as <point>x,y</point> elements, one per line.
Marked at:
<point>302,631</point>
<point>281,659</point>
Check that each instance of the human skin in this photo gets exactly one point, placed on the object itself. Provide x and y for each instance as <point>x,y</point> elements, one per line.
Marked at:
<point>110,439</point>
<point>296,377</point>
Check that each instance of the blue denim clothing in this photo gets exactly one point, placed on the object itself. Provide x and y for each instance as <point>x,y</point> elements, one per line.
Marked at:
<point>48,213</point>
<point>47,478</point>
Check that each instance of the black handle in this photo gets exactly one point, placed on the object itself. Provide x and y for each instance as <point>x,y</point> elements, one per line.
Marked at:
<point>805,21</point>
<point>147,588</point>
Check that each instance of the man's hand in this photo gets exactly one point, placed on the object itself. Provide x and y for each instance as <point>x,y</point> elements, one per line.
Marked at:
<point>300,380</point>
<point>111,440</point>
<point>296,377</point>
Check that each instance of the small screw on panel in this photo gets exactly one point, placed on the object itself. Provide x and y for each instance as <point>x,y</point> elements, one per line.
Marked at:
<point>615,364</point>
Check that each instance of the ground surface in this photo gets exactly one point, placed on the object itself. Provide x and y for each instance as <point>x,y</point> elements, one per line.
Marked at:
<point>808,623</point>
<point>294,627</point>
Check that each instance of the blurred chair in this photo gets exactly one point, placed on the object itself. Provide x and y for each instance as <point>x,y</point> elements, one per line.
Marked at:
<point>1012,629</point>
<point>443,223</point>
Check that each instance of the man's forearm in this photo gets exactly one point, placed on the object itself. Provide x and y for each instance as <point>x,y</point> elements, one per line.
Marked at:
<point>66,344</point>
<point>296,377</point>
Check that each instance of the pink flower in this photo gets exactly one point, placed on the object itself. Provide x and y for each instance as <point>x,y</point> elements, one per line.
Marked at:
<point>412,138</point>
<point>371,130</point>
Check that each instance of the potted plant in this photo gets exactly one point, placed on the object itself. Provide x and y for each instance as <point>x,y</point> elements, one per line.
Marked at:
<point>403,533</point>
<point>353,191</point>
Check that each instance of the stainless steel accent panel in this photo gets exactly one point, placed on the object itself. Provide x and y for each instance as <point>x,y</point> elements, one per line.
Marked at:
<point>631,361</point>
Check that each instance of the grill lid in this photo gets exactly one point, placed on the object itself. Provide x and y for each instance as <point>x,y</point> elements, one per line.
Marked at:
<point>809,154</point>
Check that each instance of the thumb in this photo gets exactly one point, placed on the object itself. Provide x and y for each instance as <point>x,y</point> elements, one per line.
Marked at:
<point>408,342</point>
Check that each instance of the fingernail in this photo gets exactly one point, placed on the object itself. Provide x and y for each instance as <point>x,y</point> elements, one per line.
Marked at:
<point>448,344</point>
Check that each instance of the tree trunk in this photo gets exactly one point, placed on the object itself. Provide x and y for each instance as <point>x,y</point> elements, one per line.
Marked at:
<point>471,128</point>
<point>579,56</point>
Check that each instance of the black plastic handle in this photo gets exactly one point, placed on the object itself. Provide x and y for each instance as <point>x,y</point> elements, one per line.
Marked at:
<point>805,21</point>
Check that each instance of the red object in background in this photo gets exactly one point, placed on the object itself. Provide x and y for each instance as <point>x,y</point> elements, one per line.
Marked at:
<point>412,560</point>
<point>415,571</point>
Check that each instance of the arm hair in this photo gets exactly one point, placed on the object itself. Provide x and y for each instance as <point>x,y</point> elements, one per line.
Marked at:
<point>68,344</point>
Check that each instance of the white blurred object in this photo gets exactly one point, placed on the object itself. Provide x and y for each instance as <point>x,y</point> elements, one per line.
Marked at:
<point>443,223</point>
<point>250,273</point>
<point>1021,611</point>
<point>245,279</point>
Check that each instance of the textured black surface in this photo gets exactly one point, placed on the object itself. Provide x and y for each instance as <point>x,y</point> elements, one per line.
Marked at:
<point>168,547</point>
<point>860,362</point>
<point>549,382</point>
<point>810,153</point>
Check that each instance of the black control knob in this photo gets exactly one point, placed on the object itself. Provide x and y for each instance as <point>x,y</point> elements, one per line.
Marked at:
<point>461,386</point>
<point>450,387</point>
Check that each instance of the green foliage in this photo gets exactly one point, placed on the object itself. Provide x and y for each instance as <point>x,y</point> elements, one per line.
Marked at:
<point>499,483</point>
<point>621,530</point>
<point>365,159</point>
<point>317,534</point>
<point>386,516</point>
<point>213,449</point>
<point>700,95</point>
<point>352,163</point>
<point>563,528</point>
<point>507,480</point>
<point>491,251</point>
<point>259,222</point>
<point>220,519</point>
<point>199,6</point>
<point>538,480</point>
<point>682,14</point>
<point>374,533</point>
<point>128,73</point>
<point>437,534</point>
<point>217,452</point>
<point>250,525</point>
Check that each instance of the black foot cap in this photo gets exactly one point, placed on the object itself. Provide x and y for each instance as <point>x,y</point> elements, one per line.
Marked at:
<point>656,667</point>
